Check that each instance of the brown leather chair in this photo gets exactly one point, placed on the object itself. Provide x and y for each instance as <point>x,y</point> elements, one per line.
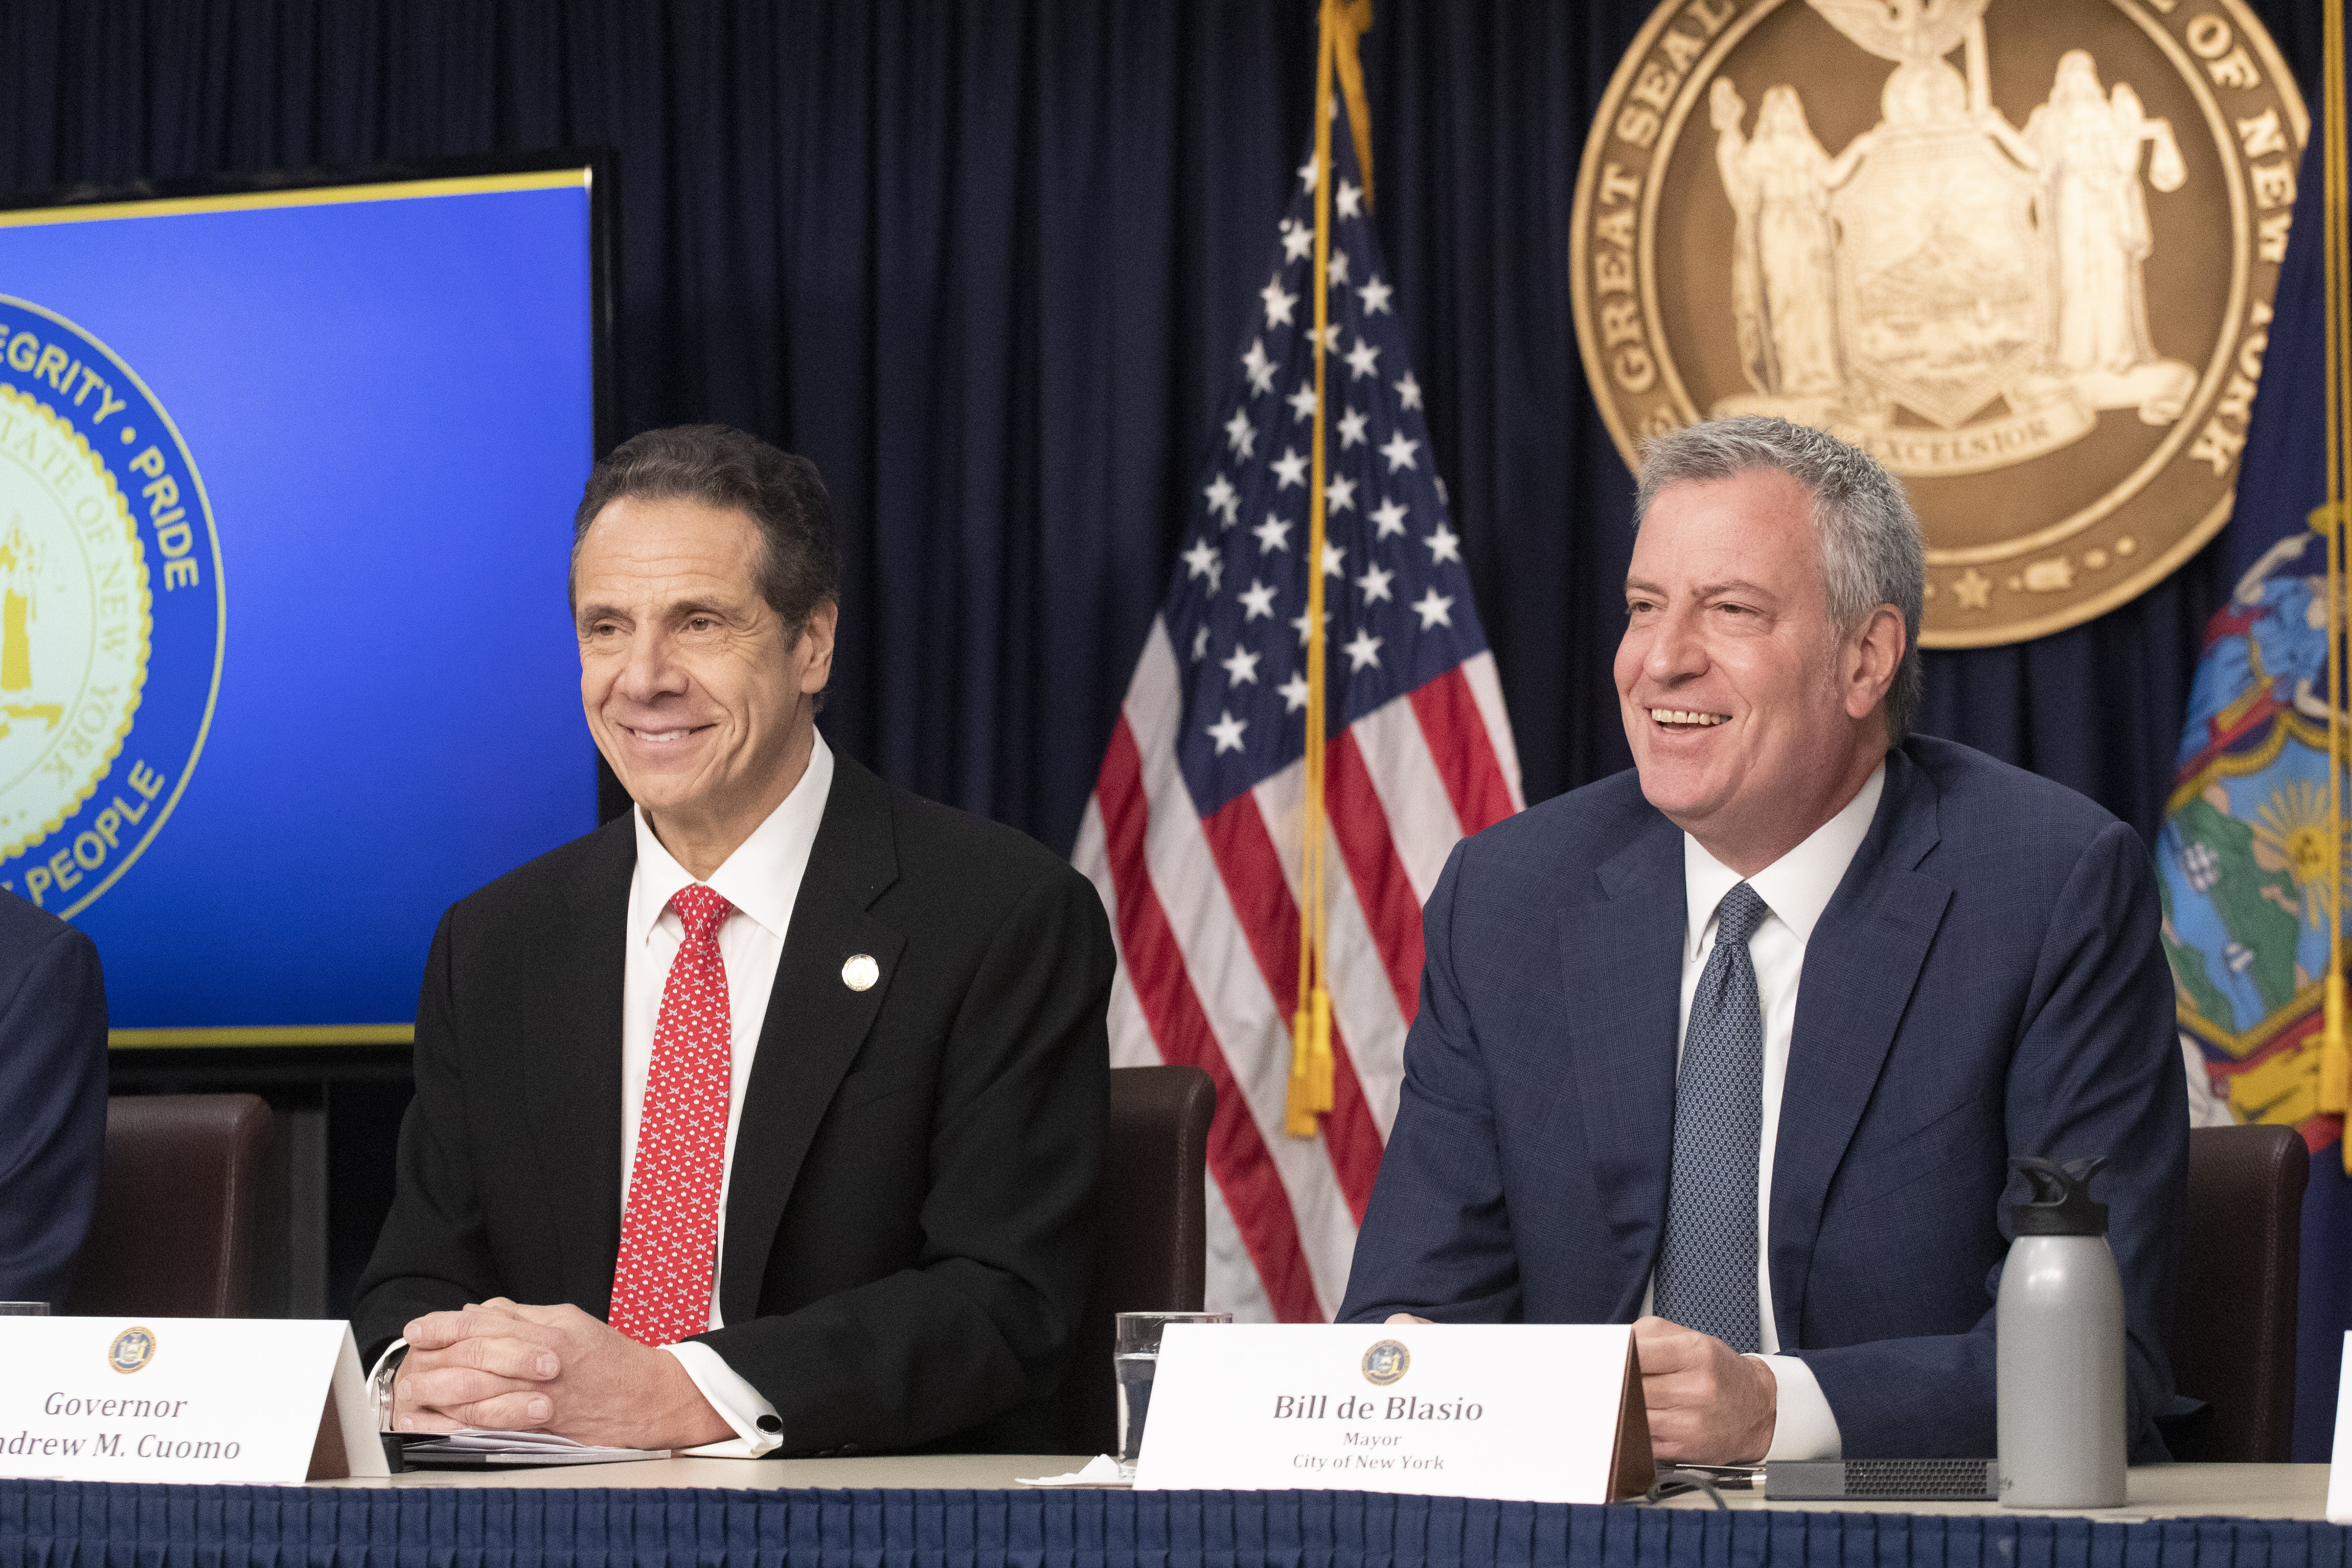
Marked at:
<point>1151,1252</point>
<point>186,1190</point>
<point>2232,1342</point>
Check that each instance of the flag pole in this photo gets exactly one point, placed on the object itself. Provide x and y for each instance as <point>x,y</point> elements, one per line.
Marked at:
<point>1311,1035</point>
<point>2335,1051</point>
<point>1338,67</point>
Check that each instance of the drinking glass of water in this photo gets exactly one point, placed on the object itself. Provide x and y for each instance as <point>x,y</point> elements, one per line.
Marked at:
<point>1135,1357</point>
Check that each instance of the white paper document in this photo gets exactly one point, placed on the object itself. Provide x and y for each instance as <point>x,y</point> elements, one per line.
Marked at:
<point>475,1445</point>
<point>1102,1470</point>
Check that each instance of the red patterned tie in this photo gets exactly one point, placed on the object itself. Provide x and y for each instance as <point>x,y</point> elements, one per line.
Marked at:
<point>669,1235</point>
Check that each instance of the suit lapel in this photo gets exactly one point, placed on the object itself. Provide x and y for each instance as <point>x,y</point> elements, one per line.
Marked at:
<point>573,1066</point>
<point>814,1024</point>
<point>1621,963</point>
<point>1861,964</point>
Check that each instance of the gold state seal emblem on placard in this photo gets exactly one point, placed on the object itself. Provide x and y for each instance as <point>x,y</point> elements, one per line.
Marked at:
<point>132,1350</point>
<point>2022,250</point>
<point>1386,1362</point>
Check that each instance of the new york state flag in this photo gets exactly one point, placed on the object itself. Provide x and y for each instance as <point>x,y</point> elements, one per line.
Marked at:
<point>2252,837</point>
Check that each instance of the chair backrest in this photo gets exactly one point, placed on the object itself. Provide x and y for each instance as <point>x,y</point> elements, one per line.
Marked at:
<point>1151,1230</point>
<point>2232,1342</point>
<point>181,1203</point>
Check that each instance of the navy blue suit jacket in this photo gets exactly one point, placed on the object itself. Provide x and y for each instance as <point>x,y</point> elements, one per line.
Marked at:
<point>1986,983</point>
<point>52,1099</point>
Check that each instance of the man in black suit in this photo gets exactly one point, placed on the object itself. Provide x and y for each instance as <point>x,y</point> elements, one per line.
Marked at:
<point>798,1079</point>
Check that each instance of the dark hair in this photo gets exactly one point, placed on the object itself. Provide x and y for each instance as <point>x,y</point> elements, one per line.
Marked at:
<point>800,567</point>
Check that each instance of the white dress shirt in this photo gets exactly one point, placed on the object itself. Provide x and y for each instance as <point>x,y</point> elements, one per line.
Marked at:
<point>1796,887</point>
<point>762,881</point>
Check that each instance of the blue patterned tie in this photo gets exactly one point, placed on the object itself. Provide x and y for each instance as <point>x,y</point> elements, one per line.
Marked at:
<point>1707,1262</point>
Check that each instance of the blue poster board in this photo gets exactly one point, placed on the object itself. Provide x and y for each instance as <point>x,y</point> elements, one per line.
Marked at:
<point>286,665</point>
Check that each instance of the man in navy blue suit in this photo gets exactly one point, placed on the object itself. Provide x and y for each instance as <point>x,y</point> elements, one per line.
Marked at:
<point>1738,1047</point>
<point>52,1099</point>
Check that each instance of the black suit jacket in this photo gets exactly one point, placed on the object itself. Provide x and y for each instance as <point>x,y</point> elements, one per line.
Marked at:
<point>909,1208</point>
<point>52,1099</point>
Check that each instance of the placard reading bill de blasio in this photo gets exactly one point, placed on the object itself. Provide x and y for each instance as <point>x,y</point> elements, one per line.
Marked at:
<point>2022,250</point>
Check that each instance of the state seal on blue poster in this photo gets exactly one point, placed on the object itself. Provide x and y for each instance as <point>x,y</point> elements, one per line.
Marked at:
<point>112,611</point>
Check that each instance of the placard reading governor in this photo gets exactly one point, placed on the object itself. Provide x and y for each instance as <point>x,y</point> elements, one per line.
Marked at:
<point>150,1440</point>
<point>183,1399</point>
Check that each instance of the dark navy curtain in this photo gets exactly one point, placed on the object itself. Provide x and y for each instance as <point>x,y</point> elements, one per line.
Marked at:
<point>986,263</point>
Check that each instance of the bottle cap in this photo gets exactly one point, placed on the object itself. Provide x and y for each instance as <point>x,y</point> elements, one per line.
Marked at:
<point>2061,1204</point>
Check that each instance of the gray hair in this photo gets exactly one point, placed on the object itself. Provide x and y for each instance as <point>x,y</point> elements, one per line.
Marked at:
<point>1873,552</point>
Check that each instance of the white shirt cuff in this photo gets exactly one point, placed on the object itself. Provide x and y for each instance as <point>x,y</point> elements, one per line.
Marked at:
<point>758,1430</point>
<point>1804,1428</point>
<point>380,1380</point>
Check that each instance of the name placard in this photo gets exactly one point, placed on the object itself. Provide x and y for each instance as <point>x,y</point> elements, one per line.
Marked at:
<point>183,1399</point>
<point>2340,1473</point>
<point>1526,1412</point>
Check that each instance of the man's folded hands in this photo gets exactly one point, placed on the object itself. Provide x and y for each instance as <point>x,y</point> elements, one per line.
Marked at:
<point>502,1366</point>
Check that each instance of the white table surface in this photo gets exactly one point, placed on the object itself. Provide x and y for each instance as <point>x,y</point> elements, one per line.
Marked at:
<point>2154,1491</point>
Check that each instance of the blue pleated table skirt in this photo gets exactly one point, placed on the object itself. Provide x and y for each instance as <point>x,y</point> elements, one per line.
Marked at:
<point>67,1523</point>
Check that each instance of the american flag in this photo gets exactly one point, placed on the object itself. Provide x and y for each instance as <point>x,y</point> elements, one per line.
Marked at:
<point>1193,835</point>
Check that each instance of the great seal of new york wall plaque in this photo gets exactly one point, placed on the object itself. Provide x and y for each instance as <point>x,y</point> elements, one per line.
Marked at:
<point>2022,251</point>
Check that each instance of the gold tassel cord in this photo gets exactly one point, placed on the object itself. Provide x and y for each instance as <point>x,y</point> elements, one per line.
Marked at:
<point>2335,1051</point>
<point>1311,1035</point>
<point>1341,23</point>
<point>2335,1079</point>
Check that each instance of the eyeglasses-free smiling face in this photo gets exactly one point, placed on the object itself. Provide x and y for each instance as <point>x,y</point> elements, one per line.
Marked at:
<point>1747,715</point>
<point>693,691</point>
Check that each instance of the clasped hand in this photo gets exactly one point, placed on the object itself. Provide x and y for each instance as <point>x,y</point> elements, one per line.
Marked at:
<point>506,1367</point>
<point>1708,1404</point>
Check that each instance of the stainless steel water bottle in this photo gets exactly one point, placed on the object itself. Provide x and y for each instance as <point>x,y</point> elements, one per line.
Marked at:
<point>2059,1334</point>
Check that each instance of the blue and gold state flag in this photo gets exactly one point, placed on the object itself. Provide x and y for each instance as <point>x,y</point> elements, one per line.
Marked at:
<point>2251,834</point>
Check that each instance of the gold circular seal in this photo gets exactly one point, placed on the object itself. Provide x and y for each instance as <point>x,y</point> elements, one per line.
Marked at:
<point>1387,1360</point>
<point>74,620</point>
<point>2021,252</point>
<point>132,1350</point>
